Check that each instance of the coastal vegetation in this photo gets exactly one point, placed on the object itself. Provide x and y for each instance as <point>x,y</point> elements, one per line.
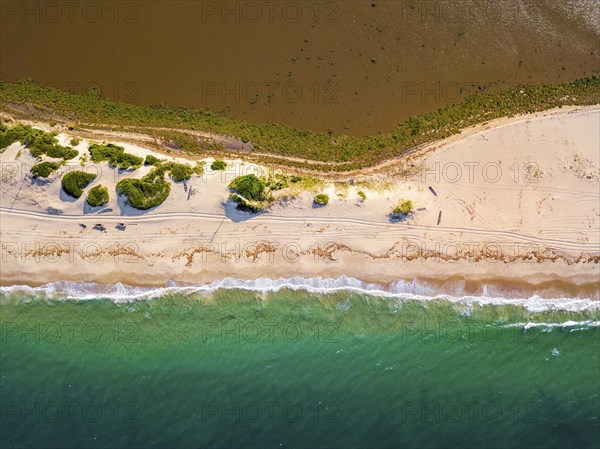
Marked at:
<point>115,155</point>
<point>5,140</point>
<point>98,196</point>
<point>362,195</point>
<point>44,169</point>
<point>152,190</point>
<point>254,194</point>
<point>250,186</point>
<point>199,168</point>
<point>403,208</point>
<point>218,165</point>
<point>323,152</point>
<point>246,205</point>
<point>147,192</point>
<point>341,189</point>
<point>276,182</point>
<point>322,199</point>
<point>59,152</point>
<point>151,160</point>
<point>248,193</point>
<point>74,182</point>
<point>38,142</point>
<point>179,172</point>
<point>307,184</point>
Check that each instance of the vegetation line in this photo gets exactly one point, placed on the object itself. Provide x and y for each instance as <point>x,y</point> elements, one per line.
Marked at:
<point>267,142</point>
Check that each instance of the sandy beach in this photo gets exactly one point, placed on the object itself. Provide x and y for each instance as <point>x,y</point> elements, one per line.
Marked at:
<point>513,205</point>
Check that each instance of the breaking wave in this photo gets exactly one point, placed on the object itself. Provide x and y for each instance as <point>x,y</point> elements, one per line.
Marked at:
<point>487,295</point>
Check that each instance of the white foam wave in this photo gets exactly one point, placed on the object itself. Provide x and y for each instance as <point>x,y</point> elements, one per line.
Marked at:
<point>400,290</point>
<point>570,325</point>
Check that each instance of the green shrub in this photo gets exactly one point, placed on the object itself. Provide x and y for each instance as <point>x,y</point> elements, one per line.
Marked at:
<point>199,168</point>
<point>362,195</point>
<point>59,152</point>
<point>249,186</point>
<point>6,138</point>
<point>338,152</point>
<point>151,160</point>
<point>98,196</point>
<point>296,179</point>
<point>147,192</point>
<point>115,155</point>
<point>322,199</point>
<point>218,165</point>
<point>38,142</point>
<point>244,205</point>
<point>180,172</point>
<point>74,142</point>
<point>74,182</point>
<point>157,173</point>
<point>44,169</point>
<point>405,207</point>
<point>278,182</point>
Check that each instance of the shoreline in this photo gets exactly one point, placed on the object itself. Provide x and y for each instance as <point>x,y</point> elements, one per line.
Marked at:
<point>556,294</point>
<point>525,231</point>
<point>153,143</point>
<point>300,148</point>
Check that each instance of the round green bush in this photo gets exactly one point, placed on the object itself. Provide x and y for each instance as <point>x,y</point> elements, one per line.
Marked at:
<point>249,186</point>
<point>98,196</point>
<point>74,182</point>
<point>321,199</point>
<point>180,172</point>
<point>405,207</point>
<point>218,165</point>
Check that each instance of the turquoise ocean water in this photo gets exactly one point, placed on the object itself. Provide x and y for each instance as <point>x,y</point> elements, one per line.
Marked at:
<point>295,369</point>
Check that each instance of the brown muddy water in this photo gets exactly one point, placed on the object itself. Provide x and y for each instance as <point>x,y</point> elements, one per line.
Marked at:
<point>358,67</point>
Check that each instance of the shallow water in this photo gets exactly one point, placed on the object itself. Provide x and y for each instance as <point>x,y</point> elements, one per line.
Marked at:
<point>358,67</point>
<point>236,368</point>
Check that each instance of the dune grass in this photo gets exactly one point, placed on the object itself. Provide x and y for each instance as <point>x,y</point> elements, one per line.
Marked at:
<point>334,152</point>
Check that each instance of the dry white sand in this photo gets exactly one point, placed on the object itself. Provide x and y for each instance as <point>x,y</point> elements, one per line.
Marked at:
<point>519,203</point>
